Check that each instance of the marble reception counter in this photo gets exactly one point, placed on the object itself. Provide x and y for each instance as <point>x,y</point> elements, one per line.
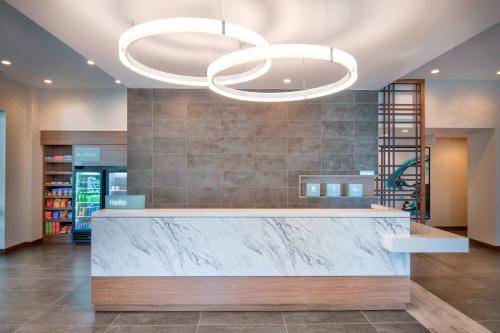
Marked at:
<point>248,259</point>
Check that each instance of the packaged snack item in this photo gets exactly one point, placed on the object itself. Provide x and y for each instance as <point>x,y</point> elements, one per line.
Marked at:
<point>58,228</point>
<point>49,203</point>
<point>64,215</point>
<point>57,203</point>
<point>53,225</point>
<point>68,205</point>
<point>70,215</point>
<point>64,203</point>
<point>48,215</point>
<point>55,215</point>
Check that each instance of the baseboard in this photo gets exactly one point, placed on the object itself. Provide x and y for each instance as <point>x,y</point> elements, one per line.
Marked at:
<point>450,227</point>
<point>489,246</point>
<point>21,245</point>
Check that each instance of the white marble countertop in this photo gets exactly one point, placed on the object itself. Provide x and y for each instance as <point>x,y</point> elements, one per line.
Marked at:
<point>375,211</point>
<point>427,239</point>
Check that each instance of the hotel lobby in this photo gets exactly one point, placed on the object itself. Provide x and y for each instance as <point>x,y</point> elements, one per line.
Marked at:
<point>249,166</point>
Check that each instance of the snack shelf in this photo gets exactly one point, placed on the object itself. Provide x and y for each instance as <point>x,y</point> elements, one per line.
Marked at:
<point>54,162</point>
<point>52,208</point>
<point>58,172</point>
<point>58,197</point>
<point>58,185</point>
<point>63,220</point>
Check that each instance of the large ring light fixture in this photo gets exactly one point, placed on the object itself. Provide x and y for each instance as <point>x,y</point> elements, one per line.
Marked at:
<point>282,51</point>
<point>190,24</point>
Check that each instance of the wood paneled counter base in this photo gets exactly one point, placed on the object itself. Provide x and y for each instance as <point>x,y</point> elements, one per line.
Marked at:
<point>249,293</point>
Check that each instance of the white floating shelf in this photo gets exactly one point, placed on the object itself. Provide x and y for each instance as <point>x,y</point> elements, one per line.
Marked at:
<point>426,239</point>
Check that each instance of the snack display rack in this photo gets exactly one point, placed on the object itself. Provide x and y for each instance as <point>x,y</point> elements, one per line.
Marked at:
<point>57,205</point>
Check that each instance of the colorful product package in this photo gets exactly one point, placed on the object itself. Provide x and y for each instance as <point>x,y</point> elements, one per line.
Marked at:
<point>48,215</point>
<point>57,203</point>
<point>64,203</point>
<point>55,215</point>
<point>49,203</point>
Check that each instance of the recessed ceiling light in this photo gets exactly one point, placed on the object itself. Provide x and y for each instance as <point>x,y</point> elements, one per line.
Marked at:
<point>90,62</point>
<point>405,131</point>
<point>6,62</point>
<point>434,71</point>
<point>118,81</point>
<point>48,81</point>
<point>287,81</point>
<point>498,73</point>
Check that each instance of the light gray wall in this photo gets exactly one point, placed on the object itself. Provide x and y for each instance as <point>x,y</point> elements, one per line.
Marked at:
<point>23,156</point>
<point>191,148</point>
<point>83,109</point>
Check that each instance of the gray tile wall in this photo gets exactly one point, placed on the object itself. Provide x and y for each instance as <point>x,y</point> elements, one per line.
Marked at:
<point>192,148</point>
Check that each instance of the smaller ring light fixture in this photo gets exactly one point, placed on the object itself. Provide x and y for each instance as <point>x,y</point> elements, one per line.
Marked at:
<point>282,51</point>
<point>190,24</point>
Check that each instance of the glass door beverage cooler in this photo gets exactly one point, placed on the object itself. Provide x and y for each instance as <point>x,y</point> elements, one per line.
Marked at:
<point>91,185</point>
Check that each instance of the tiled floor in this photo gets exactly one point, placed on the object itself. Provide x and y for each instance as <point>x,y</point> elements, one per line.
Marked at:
<point>469,282</point>
<point>47,289</point>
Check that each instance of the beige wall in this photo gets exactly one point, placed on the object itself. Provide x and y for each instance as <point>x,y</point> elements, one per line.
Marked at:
<point>23,150</point>
<point>83,110</point>
<point>448,181</point>
<point>473,105</point>
<point>482,199</point>
<point>29,110</point>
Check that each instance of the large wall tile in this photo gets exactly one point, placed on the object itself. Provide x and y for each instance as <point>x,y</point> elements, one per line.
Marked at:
<point>337,112</point>
<point>170,110</point>
<point>271,197</point>
<point>165,128</point>
<point>299,111</point>
<point>270,162</point>
<point>271,178</point>
<point>234,197</point>
<point>169,145</point>
<point>193,148</point>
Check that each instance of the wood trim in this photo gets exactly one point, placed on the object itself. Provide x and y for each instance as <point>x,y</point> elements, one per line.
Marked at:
<point>83,137</point>
<point>483,244</point>
<point>21,245</point>
<point>249,293</point>
<point>451,227</point>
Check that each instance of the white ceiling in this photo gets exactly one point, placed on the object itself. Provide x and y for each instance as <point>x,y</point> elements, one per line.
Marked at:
<point>37,55</point>
<point>476,59</point>
<point>389,38</point>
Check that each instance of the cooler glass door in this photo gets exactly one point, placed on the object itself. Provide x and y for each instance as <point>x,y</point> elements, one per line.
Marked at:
<point>88,190</point>
<point>117,183</point>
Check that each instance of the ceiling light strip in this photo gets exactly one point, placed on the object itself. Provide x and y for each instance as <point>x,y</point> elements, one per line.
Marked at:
<point>190,25</point>
<point>282,51</point>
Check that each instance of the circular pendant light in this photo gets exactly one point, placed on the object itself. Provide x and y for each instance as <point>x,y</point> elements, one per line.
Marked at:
<point>190,24</point>
<point>282,51</point>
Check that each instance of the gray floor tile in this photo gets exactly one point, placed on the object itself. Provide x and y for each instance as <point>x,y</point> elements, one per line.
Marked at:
<point>79,296</point>
<point>493,326</point>
<point>324,317</point>
<point>65,315</point>
<point>8,328</point>
<point>32,284</point>
<point>241,318</point>
<point>152,329</point>
<point>10,315</point>
<point>37,297</point>
<point>242,329</point>
<point>332,328</point>
<point>158,318</point>
<point>61,329</point>
<point>397,316</point>
<point>401,328</point>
